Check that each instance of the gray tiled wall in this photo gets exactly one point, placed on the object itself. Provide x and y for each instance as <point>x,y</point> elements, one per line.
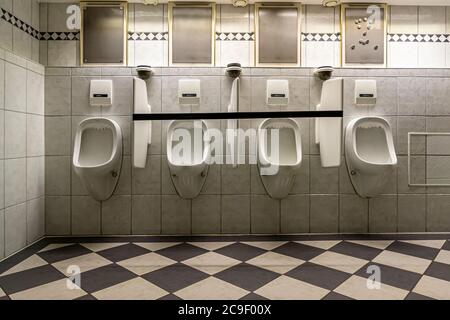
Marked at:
<point>15,39</point>
<point>233,200</point>
<point>22,153</point>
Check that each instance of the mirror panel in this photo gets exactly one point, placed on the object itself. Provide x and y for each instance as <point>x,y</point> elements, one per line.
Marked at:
<point>277,35</point>
<point>104,34</point>
<point>191,34</point>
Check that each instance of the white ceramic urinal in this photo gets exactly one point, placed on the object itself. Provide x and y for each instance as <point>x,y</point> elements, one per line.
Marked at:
<point>188,153</point>
<point>370,154</point>
<point>279,155</point>
<point>329,130</point>
<point>97,156</point>
<point>142,135</point>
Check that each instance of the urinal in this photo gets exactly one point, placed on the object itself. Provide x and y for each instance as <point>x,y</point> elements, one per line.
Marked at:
<point>97,156</point>
<point>233,124</point>
<point>279,155</point>
<point>370,154</point>
<point>188,153</point>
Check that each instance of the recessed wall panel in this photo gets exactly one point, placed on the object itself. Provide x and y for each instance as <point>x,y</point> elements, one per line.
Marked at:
<point>277,35</point>
<point>104,34</point>
<point>364,35</point>
<point>192,35</point>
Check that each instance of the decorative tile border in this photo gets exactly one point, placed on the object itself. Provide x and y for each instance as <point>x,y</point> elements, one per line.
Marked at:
<point>148,36</point>
<point>59,36</point>
<point>16,22</point>
<point>321,37</point>
<point>406,37</point>
<point>235,36</point>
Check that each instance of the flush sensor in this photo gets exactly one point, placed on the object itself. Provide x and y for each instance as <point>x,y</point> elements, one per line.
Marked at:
<point>324,73</point>
<point>144,72</point>
<point>234,70</point>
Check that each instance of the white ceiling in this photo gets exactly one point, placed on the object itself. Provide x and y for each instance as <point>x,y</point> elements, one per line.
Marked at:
<point>392,2</point>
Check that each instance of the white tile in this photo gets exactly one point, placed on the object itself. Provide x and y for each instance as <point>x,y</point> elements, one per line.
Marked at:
<point>275,262</point>
<point>156,245</point>
<point>2,184</point>
<point>319,53</point>
<point>235,51</point>
<point>15,134</point>
<point>2,84</point>
<point>35,135</point>
<point>339,262</point>
<point>266,245</point>
<point>15,87</point>
<point>211,262</point>
<point>57,216</point>
<point>56,290</point>
<point>85,262</point>
<point>211,289</point>
<point>146,263</point>
<point>286,288</point>
<point>15,59</point>
<point>377,244</point>
<point>22,10</point>
<point>135,289</point>
<point>433,288</point>
<point>62,53</point>
<point>35,219</point>
<point>431,55</point>
<point>131,60</point>
<point>447,55</point>
<point>55,246</point>
<point>35,93</point>
<point>148,18</point>
<point>149,53</point>
<point>356,288</point>
<point>403,54</point>
<point>32,262</point>
<point>234,19</point>
<point>35,177</point>
<point>96,247</point>
<point>57,17</point>
<point>15,181</point>
<point>2,134</point>
<point>443,257</point>
<point>2,234</point>
<point>432,19</point>
<point>6,35</point>
<point>15,228</point>
<point>404,19</point>
<point>322,244</point>
<point>21,43</point>
<point>319,19</point>
<point>402,261</point>
<point>211,246</point>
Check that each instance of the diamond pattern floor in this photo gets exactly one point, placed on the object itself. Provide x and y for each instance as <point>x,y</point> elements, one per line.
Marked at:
<point>229,269</point>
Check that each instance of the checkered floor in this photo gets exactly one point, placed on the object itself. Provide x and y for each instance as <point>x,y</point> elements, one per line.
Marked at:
<point>230,269</point>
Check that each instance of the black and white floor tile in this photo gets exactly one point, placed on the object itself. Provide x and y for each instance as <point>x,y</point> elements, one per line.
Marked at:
<point>231,268</point>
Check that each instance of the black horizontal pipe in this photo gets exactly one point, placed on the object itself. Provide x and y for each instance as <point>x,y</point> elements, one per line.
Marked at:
<point>236,115</point>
